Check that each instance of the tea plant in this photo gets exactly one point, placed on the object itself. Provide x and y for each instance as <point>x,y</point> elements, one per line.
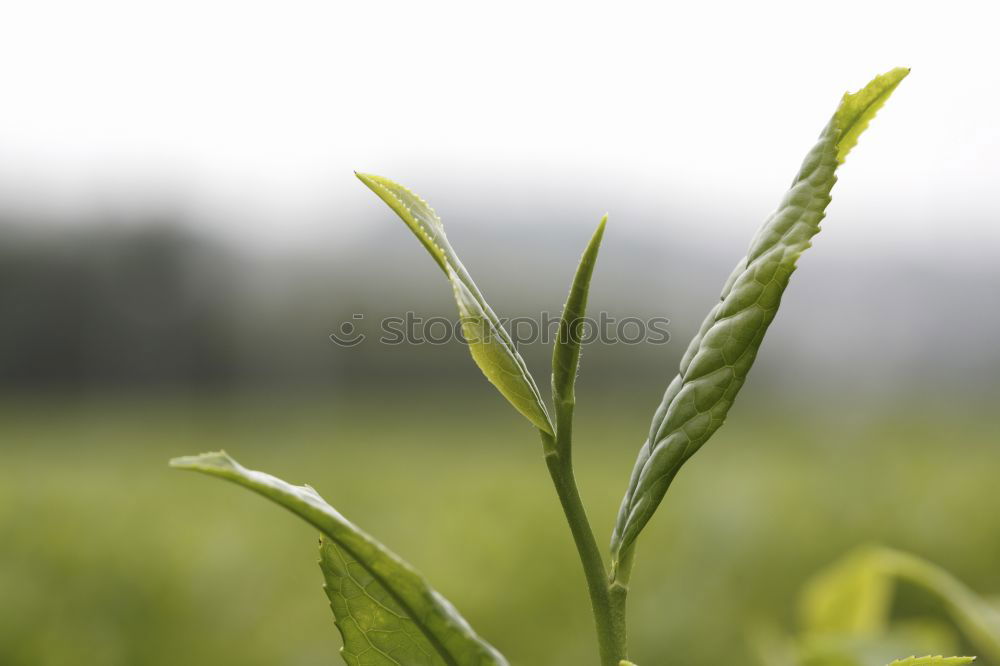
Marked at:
<point>386,612</point>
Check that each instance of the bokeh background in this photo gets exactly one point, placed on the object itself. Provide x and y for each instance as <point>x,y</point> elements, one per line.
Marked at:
<point>180,232</point>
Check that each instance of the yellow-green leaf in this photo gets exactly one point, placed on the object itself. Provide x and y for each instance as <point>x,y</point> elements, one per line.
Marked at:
<point>493,356</point>
<point>853,597</point>
<point>490,345</point>
<point>857,109</point>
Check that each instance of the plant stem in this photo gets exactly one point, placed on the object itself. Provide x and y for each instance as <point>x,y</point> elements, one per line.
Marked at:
<point>608,616</point>
<point>618,587</point>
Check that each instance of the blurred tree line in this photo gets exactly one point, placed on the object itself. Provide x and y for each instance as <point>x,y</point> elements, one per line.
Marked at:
<point>133,306</point>
<point>152,304</point>
<point>156,302</point>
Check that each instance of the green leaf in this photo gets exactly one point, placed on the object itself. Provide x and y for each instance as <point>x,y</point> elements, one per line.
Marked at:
<point>375,628</point>
<point>566,352</point>
<point>857,109</point>
<point>494,357</point>
<point>977,618</point>
<point>718,359</point>
<point>853,597</point>
<point>489,343</point>
<point>933,661</point>
<point>397,586</point>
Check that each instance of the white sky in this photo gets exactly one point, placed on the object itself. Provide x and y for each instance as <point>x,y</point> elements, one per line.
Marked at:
<point>268,106</point>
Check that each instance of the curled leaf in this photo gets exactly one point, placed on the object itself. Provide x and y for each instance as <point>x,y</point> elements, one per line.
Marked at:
<point>718,359</point>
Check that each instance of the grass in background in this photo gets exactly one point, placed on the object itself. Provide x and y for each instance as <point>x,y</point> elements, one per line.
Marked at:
<point>101,561</point>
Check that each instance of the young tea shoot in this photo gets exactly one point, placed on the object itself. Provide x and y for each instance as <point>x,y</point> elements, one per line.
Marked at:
<point>386,612</point>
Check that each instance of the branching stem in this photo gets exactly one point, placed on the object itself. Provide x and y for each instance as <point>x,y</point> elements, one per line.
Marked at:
<point>606,600</point>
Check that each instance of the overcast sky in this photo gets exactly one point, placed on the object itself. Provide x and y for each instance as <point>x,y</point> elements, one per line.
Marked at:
<point>260,110</point>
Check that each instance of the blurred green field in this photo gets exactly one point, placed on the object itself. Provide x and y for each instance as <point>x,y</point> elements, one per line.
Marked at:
<point>108,557</point>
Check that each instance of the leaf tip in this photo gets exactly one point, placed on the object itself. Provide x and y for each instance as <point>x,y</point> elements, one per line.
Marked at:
<point>366,178</point>
<point>857,109</point>
<point>376,183</point>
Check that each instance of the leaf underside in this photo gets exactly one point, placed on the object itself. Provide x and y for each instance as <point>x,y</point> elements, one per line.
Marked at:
<point>489,343</point>
<point>381,597</point>
<point>375,629</point>
<point>718,359</point>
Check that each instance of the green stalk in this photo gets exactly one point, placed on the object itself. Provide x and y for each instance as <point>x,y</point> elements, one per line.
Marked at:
<point>618,588</point>
<point>609,617</point>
